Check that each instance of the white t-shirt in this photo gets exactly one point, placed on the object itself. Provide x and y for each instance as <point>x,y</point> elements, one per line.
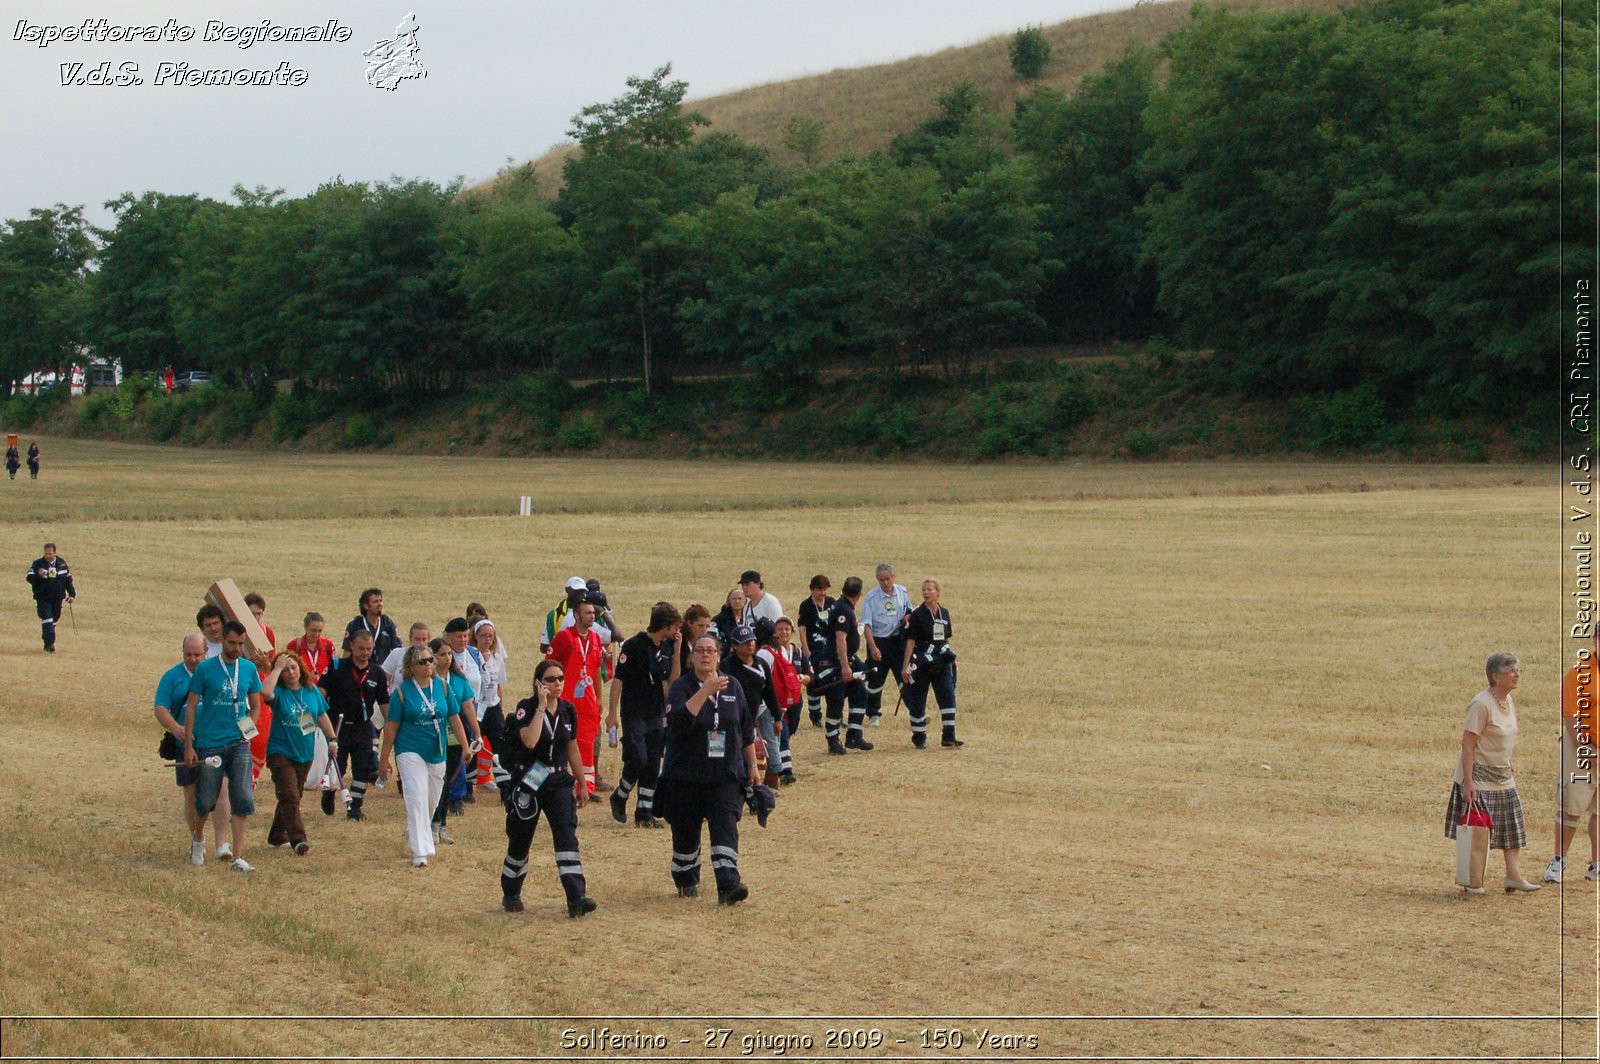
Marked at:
<point>769,608</point>
<point>391,665</point>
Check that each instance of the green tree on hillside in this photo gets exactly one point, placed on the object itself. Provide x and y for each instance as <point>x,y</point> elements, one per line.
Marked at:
<point>1029,52</point>
<point>802,135</point>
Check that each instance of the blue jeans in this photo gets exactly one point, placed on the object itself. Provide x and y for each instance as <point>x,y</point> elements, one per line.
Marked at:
<point>235,768</point>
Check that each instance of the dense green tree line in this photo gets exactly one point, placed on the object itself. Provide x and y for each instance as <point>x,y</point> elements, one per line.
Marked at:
<point>1319,199</point>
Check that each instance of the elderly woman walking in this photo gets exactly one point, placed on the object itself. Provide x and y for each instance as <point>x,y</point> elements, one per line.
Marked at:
<point>1483,776</point>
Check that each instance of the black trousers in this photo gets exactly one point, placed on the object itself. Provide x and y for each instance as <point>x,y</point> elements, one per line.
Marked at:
<point>452,765</point>
<point>717,805</point>
<point>357,763</point>
<point>49,611</point>
<point>493,726</point>
<point>560,809</point>
<point>643,743</point>
<point>878,672</point>
<point>854,693</point>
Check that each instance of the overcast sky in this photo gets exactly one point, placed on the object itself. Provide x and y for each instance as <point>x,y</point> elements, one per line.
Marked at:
<point>503,80</point>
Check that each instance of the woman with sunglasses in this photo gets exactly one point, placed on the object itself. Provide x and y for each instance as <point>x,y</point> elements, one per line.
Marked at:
<point>459,691</point>
<point>540,751</point>
<point>420,713</point>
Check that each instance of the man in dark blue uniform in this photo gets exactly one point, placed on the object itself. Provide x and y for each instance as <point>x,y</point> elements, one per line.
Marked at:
<point>840,672</point>
<point>812,619</point>
<point>52,586</point>
<point>639,691</point>
<point>711,755</point>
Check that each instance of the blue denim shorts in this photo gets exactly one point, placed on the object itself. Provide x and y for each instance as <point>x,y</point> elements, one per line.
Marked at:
<point>235,768</point>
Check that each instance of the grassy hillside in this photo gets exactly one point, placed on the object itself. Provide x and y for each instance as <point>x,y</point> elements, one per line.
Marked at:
<point>865,107</point>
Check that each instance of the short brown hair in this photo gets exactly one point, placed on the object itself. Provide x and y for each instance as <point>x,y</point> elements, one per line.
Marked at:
<point>664,615</point>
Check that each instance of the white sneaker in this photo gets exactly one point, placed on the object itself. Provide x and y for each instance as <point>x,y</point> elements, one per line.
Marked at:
<point>197,851</point>
<point>419,862</point>
<point>225,852</point>
<point>239,864</point>
<point>443,835</point>
<point>873,722</point>
<point>1552,871</point>
<point>1593,874</point>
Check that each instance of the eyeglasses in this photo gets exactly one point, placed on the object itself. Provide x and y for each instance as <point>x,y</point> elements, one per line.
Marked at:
<point>551,679</point>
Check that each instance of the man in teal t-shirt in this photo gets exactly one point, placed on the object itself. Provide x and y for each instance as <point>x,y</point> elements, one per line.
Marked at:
<point>220,717</point>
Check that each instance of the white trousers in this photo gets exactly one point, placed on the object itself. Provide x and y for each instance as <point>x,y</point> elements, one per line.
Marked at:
<point>423,782</point>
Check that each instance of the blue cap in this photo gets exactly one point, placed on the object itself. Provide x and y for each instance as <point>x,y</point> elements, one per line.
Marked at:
<point>743,634</point>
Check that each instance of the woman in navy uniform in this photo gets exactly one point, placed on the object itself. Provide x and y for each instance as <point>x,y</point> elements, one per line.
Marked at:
<point>930,662</point>
<point>711,755</point>
<point>540,752</point>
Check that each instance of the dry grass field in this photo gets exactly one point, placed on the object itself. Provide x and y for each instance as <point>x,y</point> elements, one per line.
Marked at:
<point>864,108</point>
<point>1210,713</point>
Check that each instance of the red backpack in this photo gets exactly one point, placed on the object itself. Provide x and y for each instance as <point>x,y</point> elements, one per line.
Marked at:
<point>785,680</point>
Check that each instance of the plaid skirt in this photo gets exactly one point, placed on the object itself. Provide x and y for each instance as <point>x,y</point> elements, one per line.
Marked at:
<point>1510,831</point>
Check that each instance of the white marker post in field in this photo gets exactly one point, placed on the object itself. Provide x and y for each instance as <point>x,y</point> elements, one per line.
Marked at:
<point>527,507</point>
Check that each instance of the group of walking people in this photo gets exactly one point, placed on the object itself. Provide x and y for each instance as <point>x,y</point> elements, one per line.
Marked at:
<point>705,709</point>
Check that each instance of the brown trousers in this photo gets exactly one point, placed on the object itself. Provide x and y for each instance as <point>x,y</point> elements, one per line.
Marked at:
<point>288,781</point>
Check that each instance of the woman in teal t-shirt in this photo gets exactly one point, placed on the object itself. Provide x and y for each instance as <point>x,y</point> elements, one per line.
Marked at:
<point>421,715</point>
<point>459,691</point>
<point>299,710</point>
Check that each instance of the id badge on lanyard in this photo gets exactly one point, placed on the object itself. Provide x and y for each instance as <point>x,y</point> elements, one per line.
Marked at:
<point>716,740</point>
<point>247,727</point>
<point>938,631</point>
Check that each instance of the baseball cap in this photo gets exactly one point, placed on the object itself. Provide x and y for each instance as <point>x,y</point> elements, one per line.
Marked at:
<point>750,576</point>
<point>743,634</point>
<point>576,583</point>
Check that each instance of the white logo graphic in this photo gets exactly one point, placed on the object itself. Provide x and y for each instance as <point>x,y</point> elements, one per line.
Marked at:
<point>393,61</point>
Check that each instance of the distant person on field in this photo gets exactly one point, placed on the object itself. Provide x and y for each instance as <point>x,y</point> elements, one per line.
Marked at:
<point>930,664</point>
<point>1575,788</point>
<point>1483,776</point>
<point>840,672</point>
<point>301,711</point>
<point>13,462</point>
<point>171,702</point>
<point>377,624</point>
<point>885,611</point>
<point>33,461</point>
<point>812,619</point>
<point>52,586</point>
<point>220,715</point>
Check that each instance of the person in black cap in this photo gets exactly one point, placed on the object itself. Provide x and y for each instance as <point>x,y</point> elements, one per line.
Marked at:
<point>541,755</point>
<point>759,604</point>
<point>639,689</point>
<point>711,755</point>
<point>52,586</point>
<point>754,675</point>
